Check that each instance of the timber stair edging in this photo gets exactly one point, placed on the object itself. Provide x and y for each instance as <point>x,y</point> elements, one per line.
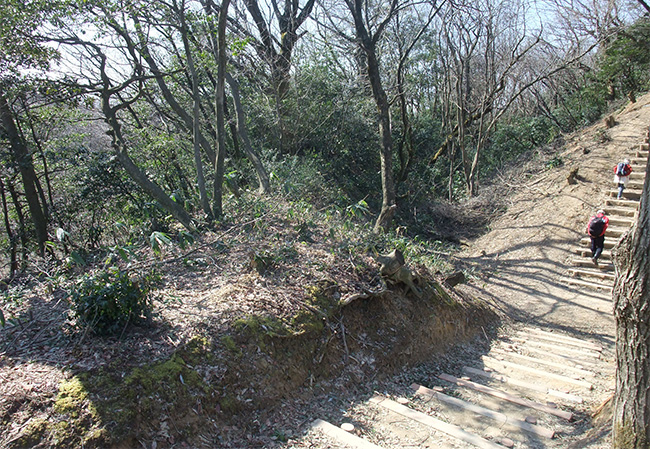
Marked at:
<point>622,214</point>
<point>586,262</point>
<point>577,282</point>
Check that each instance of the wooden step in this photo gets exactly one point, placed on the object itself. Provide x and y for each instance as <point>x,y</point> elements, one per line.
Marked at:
<point>434,423</point>
<point>634,185</point>
<point>629,195</point>
<point>499,417</point>
<point>643,146</point>
<point>624,222</point>
<point>598,286</point>
<point>609,243</point>
<point>623,212</point>
<point>580,353</point>
<point>537,387</point>
<point>569,360</point>
<point>639,160</point>
<point>638,176</point>
<point>615,231</point>
<point>507,396</point>
<point>587,262</point>
<point>565,339</point>
<point>642,153</point>
<point>492,363</point>
<point>605,256</point>
<point>622,203</point>
<point>589,274</point>
<point>541,361</point>
<point>343,437</point>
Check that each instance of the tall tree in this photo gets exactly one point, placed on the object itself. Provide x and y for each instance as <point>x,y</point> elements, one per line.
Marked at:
<point>631,426</point>
<point>251,154</point>
<point>274,44</point>
<point>405,44</point>
<point>196,110</point>
<point>367,37</point>
<point>19,49</point>
<point>220,105</point>
<point>23,159</point>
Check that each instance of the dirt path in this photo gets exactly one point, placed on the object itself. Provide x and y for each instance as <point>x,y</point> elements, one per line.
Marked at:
<point>521,262</point>
<point>518,267</point>
<point>553,332</point>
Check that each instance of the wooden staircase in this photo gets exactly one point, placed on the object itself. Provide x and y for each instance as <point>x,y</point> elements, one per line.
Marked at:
<point>621,215</point>
<point>530,390</point>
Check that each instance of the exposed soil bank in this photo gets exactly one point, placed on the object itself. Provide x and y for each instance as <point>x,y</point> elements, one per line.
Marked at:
<point>217,383</point>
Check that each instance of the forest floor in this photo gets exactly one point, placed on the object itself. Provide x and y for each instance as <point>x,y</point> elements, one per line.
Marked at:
<point>229,277</point>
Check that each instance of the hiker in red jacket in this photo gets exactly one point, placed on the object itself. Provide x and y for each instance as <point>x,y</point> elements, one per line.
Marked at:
<point>622,172</point>
<point>596,228</point>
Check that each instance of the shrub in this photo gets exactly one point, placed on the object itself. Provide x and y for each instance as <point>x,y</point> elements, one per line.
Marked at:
<point>108,301</point>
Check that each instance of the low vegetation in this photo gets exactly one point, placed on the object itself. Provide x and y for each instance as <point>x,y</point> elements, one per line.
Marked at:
<point>178,250</point>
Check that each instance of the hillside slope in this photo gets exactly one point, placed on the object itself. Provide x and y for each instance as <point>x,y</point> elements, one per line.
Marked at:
<point>215,364</point>
<point>552,332</point>
<point>521,261</point>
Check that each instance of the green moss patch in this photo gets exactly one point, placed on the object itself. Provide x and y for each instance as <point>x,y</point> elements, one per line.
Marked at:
<point>105,407</point>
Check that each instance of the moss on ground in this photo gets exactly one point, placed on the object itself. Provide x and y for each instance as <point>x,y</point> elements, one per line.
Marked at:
<point>32,434</point>
<point>319,305</point>
<point>101,408</point>
<point>264,360</point>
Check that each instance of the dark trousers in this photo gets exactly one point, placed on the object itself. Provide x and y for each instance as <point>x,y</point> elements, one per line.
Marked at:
<point>597,245</point>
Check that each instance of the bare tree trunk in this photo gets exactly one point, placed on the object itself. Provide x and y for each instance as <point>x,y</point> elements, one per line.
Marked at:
<point>368,45</point>
<point>480,139</point>
<point>253,157</point>
<point>140,178</point>
<point>22,227</point>
<point>406,148</point>
<point>28,174</point>
<point>217,199</point>
<point>11,237</point>
<point>461,121</point>
<point>388,206</point>
<point>631,426</point>
<point>144,50</point>
<point>452,157</point>
<point>290,18</point>
<point>49,202</point>
<point>236,151</point>
<point>196,115</point>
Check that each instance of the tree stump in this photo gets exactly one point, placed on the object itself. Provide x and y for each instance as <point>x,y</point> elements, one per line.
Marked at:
<point>571,177</point>
<point>455,278</point>
<point>394,269</point>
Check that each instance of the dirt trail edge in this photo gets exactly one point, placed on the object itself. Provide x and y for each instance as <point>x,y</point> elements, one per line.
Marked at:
<point>541,382</point>
<point>520,263</point>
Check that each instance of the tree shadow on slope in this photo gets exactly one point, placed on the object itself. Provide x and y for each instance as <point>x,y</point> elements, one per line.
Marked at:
<point>56,378</point>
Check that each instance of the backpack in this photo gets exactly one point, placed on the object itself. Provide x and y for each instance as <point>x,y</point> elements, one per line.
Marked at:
<point>621,169</point>
<point>596,226</point>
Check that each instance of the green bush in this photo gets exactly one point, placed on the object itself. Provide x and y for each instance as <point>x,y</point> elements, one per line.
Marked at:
<point>108,301</point>
<point>625,64</point>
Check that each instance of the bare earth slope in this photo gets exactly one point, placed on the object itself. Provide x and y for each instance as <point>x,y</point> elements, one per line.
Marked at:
<point>518,267</point>
<point>552,331</point>
<point>522,260</point>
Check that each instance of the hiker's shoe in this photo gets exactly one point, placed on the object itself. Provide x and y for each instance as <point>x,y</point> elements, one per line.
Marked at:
<point>595,261</point>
